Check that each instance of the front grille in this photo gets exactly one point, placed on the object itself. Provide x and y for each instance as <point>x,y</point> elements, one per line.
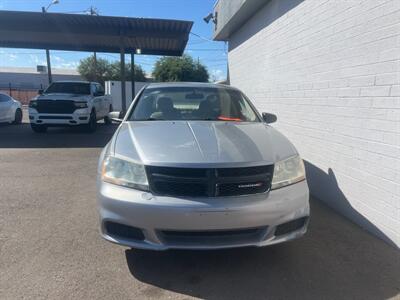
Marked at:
<point>55,106</point>
<point>218,182</point>
<point>55,117</point>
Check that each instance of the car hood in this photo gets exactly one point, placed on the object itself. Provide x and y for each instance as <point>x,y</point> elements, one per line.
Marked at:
<point>16,102</point>
<point>62,96</point>
<point>201,143</point>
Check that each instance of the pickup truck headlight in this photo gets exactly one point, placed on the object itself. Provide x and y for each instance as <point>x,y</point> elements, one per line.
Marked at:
<point>287,172</point>
<point>80,104</point>
<point>33,103</point>
<point>124,173</point>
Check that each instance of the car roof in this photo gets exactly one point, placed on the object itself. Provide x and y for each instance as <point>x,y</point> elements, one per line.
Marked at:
<point>189,84</point>
<point>5,94</point>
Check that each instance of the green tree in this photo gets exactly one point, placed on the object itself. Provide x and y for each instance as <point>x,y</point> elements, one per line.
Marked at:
<point>103,70</point>
<point>92,71</point>
<point>180,69</point>
<point>115,72</point>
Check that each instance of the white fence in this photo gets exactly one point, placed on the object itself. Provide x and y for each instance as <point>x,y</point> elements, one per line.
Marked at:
<point>113,88</point>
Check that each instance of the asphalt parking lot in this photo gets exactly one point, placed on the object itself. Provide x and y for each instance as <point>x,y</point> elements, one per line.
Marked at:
<point>50,246</point>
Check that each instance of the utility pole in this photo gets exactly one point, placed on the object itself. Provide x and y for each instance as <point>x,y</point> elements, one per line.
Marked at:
<point>49,66</point>
<point>48,57</point>
<point>93,12</point>
<point>44,10</point>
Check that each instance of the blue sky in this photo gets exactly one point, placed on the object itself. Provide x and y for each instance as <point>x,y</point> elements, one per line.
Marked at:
<point>212,54</point>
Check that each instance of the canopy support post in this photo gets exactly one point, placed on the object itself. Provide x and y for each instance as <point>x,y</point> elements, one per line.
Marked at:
<point>133,75</point>
<point>48,66</point>
<point>123,86</point>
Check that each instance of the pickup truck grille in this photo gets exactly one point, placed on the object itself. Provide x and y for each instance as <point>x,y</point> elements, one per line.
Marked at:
<point>55,106</point>
<point>218,182</point>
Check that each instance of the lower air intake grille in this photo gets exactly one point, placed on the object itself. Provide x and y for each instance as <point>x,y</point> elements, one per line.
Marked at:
<point>213,237</point>
<point>290,226</point>
<point>123,231</point>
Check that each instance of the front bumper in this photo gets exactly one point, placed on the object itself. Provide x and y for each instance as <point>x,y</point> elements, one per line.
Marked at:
<point>155,215</point>
<point>78,117</point>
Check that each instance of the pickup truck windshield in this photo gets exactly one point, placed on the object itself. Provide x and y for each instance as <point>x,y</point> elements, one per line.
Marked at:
<point>193,103</point>
<point>81,88</point>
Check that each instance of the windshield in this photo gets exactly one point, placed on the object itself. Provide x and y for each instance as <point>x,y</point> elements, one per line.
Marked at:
<point>82,88</point>
<point>193,103</point>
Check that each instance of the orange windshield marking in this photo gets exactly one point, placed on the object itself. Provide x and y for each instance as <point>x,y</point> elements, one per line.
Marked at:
<point>229,119</point>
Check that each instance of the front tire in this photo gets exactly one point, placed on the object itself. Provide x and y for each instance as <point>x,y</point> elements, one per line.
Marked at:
<point>39,128</point>
<point>92,125</point>
<point>17,117</point>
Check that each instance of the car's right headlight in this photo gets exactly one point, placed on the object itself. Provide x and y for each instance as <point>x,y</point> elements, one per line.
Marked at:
<point>287,172</point>
<point>124,173</point>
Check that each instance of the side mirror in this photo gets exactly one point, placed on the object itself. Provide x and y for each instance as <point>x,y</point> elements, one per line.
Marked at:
<point>269,118</point>
<point>40,92</point>
<point>115,116</point>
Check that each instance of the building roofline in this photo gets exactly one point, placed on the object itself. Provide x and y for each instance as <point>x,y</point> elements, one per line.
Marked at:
<point>232,14</point>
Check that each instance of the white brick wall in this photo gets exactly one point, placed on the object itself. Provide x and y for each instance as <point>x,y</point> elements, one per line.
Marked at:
<point>330,70</point>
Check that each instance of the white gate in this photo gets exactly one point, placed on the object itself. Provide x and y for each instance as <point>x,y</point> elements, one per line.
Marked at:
<point>113,88</point>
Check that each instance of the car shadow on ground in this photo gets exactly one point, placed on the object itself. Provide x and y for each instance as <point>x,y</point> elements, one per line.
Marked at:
<point>22,136</point>
<point>335,260</point>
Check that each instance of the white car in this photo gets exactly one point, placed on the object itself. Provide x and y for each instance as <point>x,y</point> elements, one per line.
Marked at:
<point>10,110</point>
<point>70,103</point>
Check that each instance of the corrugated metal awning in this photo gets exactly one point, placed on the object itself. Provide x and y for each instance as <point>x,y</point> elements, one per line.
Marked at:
<point>93,33</point>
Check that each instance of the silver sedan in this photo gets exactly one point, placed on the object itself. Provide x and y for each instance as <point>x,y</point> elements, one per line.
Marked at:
<point>195,166</point>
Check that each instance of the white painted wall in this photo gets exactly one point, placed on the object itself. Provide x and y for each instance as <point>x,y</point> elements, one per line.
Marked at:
<point>113,88</point>
<point>330,70</point>
<point>31,80</point>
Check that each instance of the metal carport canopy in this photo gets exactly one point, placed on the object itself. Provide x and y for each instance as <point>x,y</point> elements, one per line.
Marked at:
<point>75,32</point>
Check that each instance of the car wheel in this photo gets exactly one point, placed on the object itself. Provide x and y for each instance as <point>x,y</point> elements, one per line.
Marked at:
<point>107,120</point>
<point>39,128</point>
<point>18,116</point>
<point>92,125</point>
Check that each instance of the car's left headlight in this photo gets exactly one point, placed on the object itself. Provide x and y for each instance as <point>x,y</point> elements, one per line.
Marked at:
<point>287,172</point>
<point>81,104</point>
<point>124,173</point>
